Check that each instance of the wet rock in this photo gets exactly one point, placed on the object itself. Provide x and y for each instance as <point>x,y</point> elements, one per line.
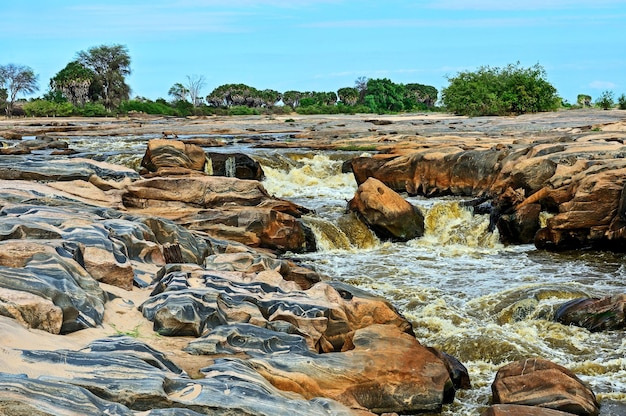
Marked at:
<point>234,165</point>
<point>539,382</point>
<point>386,212</point>
<point>121,376</point>
<point>604,314</point>
<point>517,410</point>
<point>458,372</point>
<point>246,338</point>
<point>521,226</point>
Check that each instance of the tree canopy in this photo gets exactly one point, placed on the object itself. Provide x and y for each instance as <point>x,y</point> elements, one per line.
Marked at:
<point>73,82</point>
<point>111,65</point>
<point>16,79</point>
<point>500,91</point>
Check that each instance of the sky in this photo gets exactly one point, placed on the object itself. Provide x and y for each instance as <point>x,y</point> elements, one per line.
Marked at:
<point>323,45</point>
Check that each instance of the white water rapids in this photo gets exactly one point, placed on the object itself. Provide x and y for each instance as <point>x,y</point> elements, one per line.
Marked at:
<point>464,292</point>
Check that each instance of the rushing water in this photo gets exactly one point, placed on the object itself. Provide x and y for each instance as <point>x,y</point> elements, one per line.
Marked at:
<point>465,293</point>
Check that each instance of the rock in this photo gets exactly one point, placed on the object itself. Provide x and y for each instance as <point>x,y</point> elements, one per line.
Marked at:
<point>49,271</point>
<point>225,208</point>
<point>40,169</point>
<point>23,396</point>
<point>234,165</point>
<point>386,212</point>
<point>123,376</point>
<point>193,301</point>
<point>204,192</point>
<point>517,410</point>
<point>246,338</point>
<point>458,372</point>
<point>539,382</point>
<point>386,371</point>
<point>163,153</point>
<point>594,314</point>
<point>31,310</point>
<point>521,226</point>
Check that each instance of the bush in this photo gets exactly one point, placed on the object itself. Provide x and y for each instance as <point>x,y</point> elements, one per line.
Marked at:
<point>242,110</point>
<point>92,110</point>
<point>147,107</point>
<point>500,91</point>
<point>605,101</point>
<point>621,102</point>
<point>45,108</point>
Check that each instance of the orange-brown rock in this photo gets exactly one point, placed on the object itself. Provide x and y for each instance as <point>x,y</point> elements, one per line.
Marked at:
<point>31,310</point>
<point>538,382</point>
<point>387,371</point>
<point>388,214</point>
<point>226,208</point>
<point>163,153</point>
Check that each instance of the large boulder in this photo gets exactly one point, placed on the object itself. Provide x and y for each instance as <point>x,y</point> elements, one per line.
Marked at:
<point>538,382</point>
<point>163,153</point>
<point>386,371</point>
<point>388,214</point>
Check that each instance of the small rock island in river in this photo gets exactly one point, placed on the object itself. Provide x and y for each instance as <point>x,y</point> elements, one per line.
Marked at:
<point>146,270</point>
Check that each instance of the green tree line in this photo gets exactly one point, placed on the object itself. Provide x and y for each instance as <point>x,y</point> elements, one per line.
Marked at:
<point>94,84</point>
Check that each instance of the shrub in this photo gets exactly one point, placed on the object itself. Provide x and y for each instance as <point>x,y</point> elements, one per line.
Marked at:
<point>92,110</point>
<point>45,108</point>
<point>242,110</point>
<point>500,91</point>
<point>605,101</point>
<point>621,102</point>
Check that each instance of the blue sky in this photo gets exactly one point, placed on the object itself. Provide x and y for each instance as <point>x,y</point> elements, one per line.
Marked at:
<point>324,45</point>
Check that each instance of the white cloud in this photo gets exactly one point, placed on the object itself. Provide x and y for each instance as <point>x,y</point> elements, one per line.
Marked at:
<point>602,85</point>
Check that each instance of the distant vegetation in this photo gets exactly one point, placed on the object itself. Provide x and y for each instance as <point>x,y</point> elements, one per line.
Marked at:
<point>500,91</point>
<point>94,84</point>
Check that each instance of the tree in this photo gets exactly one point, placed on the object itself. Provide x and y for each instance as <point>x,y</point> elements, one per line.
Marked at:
<point>73,82</point>
<point>584,100</point>
<point>500,91</point>
<point>178,92</point>
<point>361,85</point>
<point>419,94</point>
<point>194,84</point>
<point>605,101</point>
<point>16,79</point>
<point>292,98</point>
<point>111,65</point>
<point>621,102</point>
<point>348,96</point>
<point>385,96</point>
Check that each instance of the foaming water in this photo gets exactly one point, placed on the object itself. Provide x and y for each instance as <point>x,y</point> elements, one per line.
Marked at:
<point>466,293</point>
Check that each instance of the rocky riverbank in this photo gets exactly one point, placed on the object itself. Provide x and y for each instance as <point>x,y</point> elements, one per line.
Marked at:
<point>161,290</point>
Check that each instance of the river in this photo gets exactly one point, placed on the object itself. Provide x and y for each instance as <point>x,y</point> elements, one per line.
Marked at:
<point>464,292</point>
